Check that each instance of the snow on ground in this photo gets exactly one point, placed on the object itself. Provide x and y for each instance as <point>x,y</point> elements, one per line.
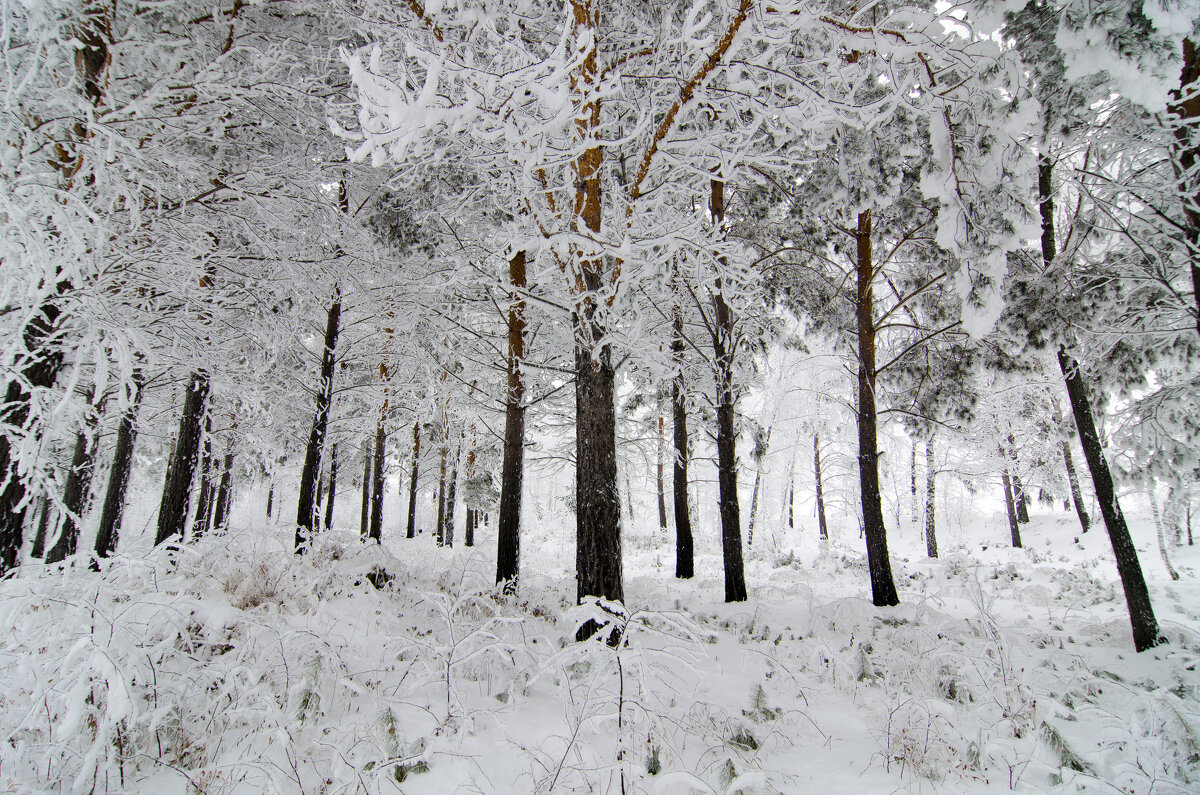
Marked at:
<point>230,666</point>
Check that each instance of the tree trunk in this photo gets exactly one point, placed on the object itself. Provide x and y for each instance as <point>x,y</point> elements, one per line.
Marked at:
<point>224,495</point>
<point>118,479</point>
<point>1073,480</point>
<point>1020,498</point>
<point>469,530</point>
<point>40,371</point>
<point>1014,527</point>
<point>753,508</point>
<point>508,533</point>
<point>309,504</point>
<point>364,525</point>
<point>204,505</point>
<point>333,473</point>
<point>270,498</point>
<point>75,492</point>
<point>684,563</point>
<point>451,497</point>
<point>662,494</point>
<point>1186,108</point>
<point>320,495</point>
<point>412,481</point>
<point>916,515</point>
<point>930,493</point>
<point>38,549</point>
<point>1137,596</point>
<point>824,528</point>
<point>724,342</point>
<point>377,479</point>
<point>883,588</point>
<point>1159,529</point>
<point>177,494</point>
<point>441,495</point>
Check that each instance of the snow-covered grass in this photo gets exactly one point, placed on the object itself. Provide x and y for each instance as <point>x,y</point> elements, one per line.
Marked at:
<point>231,665</point>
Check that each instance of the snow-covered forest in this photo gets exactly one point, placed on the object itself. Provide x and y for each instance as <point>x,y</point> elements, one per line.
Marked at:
<point>528,397</point>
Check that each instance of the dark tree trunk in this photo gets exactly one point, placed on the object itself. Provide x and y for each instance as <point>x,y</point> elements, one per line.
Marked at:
<point>1137,596</point>
<point>224,495</point>
<point>1014,527</point>
<point>377,478</point>
<point>469,530</point>
<point>204,504</point>
<point>320,495</point>
<point>270,498</point>
<point>1073,480</point>
<point>724,343</point>
<point>1186,108</point>
<point>661,482</point>
<point>508,524</point>
<point>177,494</point>
<point>108,533</point>
<point>310,474</point>
<point>684,563</point>
<point>1020,498</point>
<point>40,372</point>
<point>365,520</point>
<point>39,538</point>
<point>451,498</point>
<point>753,508</point>
<point>883,588</point>
<point>930,493</point>
<point>412,481</point>
<point>824,528</point>
<point>1141,613</point>
<point>441,494</point>
<point>75,492</point>
<point>333,473</point>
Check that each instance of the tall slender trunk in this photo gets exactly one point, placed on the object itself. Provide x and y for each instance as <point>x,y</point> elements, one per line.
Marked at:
<point>1014,528</point>
<point>469,529</point>
<point>824,528</point>
<point>376,532</point>
<point>1073,480</point>
<point>442,472</point>
<point>224,495</point>
<point>1137,596</point>
<point>684,563</point>
<point>177,494</point>
<point>317,499</point>
<point>508,527</point>
<point>930,493</point>
<point>1020,498</point>
<point>883,588</point>
<point>753,508</point>
<point>270,498</point>
<point>916,515</point>
<point>308,504</point>
<point>451,497</point>
<point>204,504</point>
<point>333,473</point>
<point>724,343</point>
<point>1159,528</point>
<point>662,494</point>
<point>364,525</point>
<point>412,482</point>
<point>118,479</point>
<point>75,492</point>
<point>47,509</point>
<point>1186,108</point>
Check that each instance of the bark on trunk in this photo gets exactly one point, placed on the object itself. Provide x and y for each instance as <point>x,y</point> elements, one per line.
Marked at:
<point>451,498</point>
<point>469,528</point>
<point>753,508</point>
<point>270,498</point>
<point>1137,596</point>
<point>723,342</point>
<point>309,504</point>
<point>204,504</point>
<point>1020,498</point>
<point>662,493</point>
<point>364,524</point>
<point>930,494</point>
<point>107,535</point>
<point>883,588</point>
<point>684,562</point>
<point>333,473</point>
<point>224,495</point>
<point>1186,108</point>
<point>441,496</point>
<point>75,492</point>
<point>1014,528</point>
<point>376,532</point>
<point>177,494</point>
<point>824,528</point>
<point>412,481</point>
<point>38,549</point>
<point>1073,480</point>
<point>916,515</point>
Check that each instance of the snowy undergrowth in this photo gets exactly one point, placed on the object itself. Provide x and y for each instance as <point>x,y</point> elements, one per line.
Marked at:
<point>230,665</point>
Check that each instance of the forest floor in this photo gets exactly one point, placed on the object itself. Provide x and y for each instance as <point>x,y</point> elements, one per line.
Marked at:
<point>230,665</point>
